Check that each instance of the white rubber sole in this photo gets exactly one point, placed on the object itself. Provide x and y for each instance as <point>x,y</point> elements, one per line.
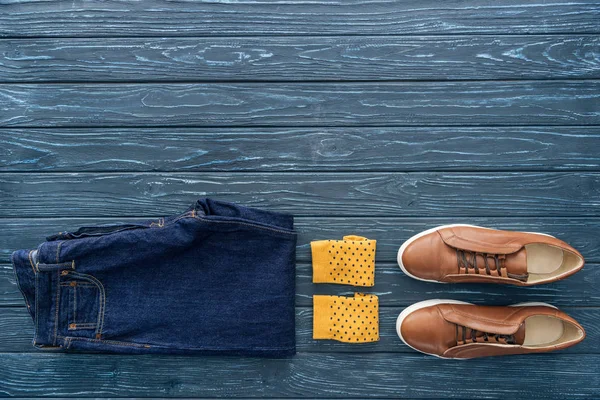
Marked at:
<point>427,232</point>
<point>533,304</point>
<point>417,306</point>
<point>428,303</point>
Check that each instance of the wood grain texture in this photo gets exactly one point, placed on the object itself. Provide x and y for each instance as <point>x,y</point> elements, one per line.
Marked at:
<point>381,118</point>
<point>395,289</point>
<point>301,58</point>
<point>302,104</point>
<point>309,149</point>
<point>179,18</point>
<point>580,232</point>
<point>305,375</point>
<point>16,333</point>
<point>315,194</point>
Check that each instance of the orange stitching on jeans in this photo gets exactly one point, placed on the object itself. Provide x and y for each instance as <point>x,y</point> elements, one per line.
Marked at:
<point>82,284</point>
<point>102,305</point>
<point>74,326</point>
<point>182,216</point>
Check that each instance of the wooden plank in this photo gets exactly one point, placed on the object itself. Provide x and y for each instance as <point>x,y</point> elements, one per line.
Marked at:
<point>23,233</point>
<point>310,149</point>
<point>394,288</point>
<point>384,375</point>
<point>10,294</point>
<point>16,333</point>
<point>301,58</point>
<point>456,103</point>
<point>182,18</point>
<point>322,194</point>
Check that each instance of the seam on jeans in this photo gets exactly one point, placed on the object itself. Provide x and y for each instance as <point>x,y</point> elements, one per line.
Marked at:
<point>86,326</point>
<point>58,246</point>
<point>44,347</point>
<point>51,267</point>
<point>100,341</point>
<point>119,343</point>
<point>186,215</point>
<point>102,306</point>
<point>31,260</point>
<point>258,226</point>
<point>37,296</point>
<point>12,259</point>
<point>84,284</point>
<point>56,305</point>
<point>100,323</point>
<point>75,305</point>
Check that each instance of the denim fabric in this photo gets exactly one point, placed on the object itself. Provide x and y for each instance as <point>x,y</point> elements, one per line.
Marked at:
<point>217,279</point>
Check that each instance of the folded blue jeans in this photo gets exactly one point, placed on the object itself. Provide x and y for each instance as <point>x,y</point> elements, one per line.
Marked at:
<point>217,279</point>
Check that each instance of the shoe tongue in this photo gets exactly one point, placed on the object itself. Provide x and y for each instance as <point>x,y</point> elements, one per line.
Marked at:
<point>516,263</point>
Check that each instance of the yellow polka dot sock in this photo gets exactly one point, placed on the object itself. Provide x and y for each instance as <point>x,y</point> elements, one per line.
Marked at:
<point>346,319</point>
<point>350,261</point>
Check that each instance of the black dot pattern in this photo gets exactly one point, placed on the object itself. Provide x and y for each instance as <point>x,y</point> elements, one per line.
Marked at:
<point>347,319</point>
<point>350,261</point>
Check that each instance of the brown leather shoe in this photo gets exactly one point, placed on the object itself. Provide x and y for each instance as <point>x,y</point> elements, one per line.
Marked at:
<point>468,253</point>
<point>455,329</point>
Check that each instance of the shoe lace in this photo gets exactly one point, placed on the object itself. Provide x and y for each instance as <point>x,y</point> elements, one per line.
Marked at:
<point>476,336</point>
<point>467,261</point>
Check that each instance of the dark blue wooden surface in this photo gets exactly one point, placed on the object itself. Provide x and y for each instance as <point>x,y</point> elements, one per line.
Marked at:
<point>381,118</point>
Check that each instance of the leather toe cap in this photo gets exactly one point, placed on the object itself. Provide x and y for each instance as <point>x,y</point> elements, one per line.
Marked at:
<point>426,330</point>
<point>423,257</point>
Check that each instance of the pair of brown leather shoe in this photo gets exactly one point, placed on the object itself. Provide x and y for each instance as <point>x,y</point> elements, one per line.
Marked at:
<point>467,253</point>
